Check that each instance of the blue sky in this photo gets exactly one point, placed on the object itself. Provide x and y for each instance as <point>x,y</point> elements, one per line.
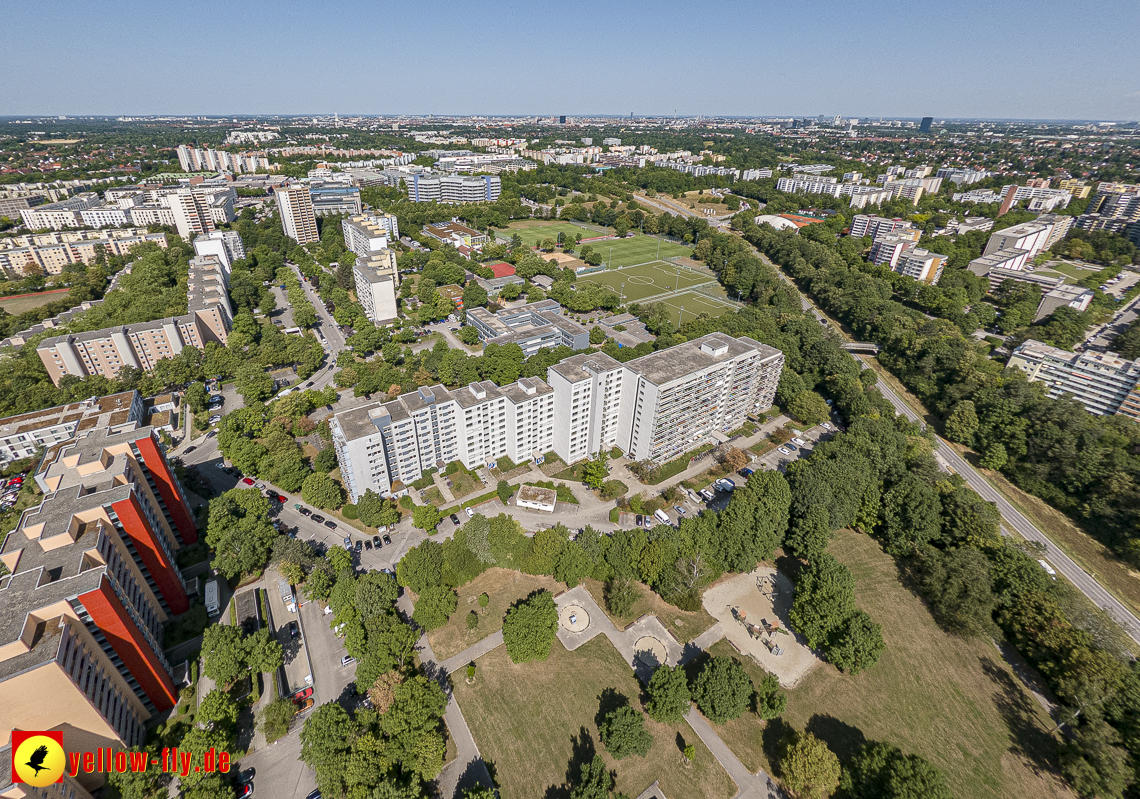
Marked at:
<point>1053,59</point>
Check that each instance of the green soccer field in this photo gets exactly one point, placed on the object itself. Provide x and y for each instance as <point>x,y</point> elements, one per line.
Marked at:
<point>617,253</point>
<point>531,236</point>
<point>690,304</point>
<point>635,283</point>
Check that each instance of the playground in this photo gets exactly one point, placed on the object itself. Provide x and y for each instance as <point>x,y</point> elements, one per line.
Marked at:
<point>753,609</point>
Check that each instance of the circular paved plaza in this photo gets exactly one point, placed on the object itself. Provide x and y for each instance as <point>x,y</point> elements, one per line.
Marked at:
<point>574,618</point>
<point>650,650</point>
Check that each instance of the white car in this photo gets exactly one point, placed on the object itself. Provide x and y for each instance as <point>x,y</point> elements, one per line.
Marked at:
<point>220,465</point>
<point>783,450</point>
<point>799,442</point>
<point>826,425</point>
<point>215,419</point>
<point>470,512</point>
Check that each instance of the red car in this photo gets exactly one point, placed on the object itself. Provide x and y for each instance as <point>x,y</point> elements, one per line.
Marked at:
<point>247,481</point>
<point>304,693</point>
<point>281,499</point>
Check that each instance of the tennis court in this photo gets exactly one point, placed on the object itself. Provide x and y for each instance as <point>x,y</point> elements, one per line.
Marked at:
<point>635,283</point>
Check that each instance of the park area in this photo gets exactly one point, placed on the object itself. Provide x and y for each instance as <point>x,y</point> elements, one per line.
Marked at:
<point>537,722</point>
<point>954,701</point>
<point>532,233</point>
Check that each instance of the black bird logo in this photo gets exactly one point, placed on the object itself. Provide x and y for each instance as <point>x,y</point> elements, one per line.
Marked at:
<point>37,759</point>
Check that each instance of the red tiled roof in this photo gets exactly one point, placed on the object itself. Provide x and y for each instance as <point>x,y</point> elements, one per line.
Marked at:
<point>501,269</point>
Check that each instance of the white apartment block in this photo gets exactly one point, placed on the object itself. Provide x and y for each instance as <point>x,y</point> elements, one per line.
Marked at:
<point>653,408</point>
<point>889,249</point>
<point>376,284</point>
<point>876,226</point>
<point>923,265</point>
<point>384,446</point>
<point>192,215</point>
<point>297,217</point>
<point>961,177</point>
<point>756,174</point>
<point>675,399</point>
<point>21,436</point>
<point>453,188</point>
<point>195,160</point>
<point>1031,236</point>
<point>1103,382</point>
<point>225,244</point>
<point>59,215</point>
<point>587,404</point>
<point>369,232</point>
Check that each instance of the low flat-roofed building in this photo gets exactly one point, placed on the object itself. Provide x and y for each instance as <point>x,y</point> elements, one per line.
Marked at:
<point>456,234</point>
<point>999,275</point>
<point>533,326</point>
<point>1063,296</point>
<point>537,498</point>
<point>22,435</point>
<point>1010,259</point>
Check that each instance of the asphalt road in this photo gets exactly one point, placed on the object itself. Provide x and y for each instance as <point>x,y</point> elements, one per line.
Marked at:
<point>1013,519</point>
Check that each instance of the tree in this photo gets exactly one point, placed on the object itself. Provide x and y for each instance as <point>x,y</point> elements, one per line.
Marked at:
<point>426,518</point>
<point>326,742</point>
<point>810,534</point>
<point>623,732</point>
<point>322,491</point>
<point>995,457</point>
<point>809,768</point>
<point>511,291</point>
<point>148,784</point>
<point>882,771</point>
<point>530,626</point>
<point>722,690</point>
<point>597,335</point>
<point>276,718</point>
<point>239,531</point>
<point>262,652</point>
<point>474,295</point>
<point>912,514</point>
<point>469,335</point>
<point>1093,763</point>
<point>325,460</point>
<point>223,654</point>
<point>809,408</point>
<point>376,511</point>
<point>595,472</point>
<point>771,701</point>
<point>619,594</point>
<point>504,490</point>
<point>218,709</point>
<point>962,423</point>
<point>669,695</point>
<point>435,606</point>
<point>595,781</point>
<point>958,590</point>
<point>856,645</point>
<point>318,585</point>
<point>253,383</point>
<point>825,599</point>
<point>197,397</point>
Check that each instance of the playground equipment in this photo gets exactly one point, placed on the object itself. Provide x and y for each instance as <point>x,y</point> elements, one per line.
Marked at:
<point>762,631</point>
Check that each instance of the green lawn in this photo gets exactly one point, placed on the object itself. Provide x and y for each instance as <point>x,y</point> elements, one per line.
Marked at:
<point>636,249</point>
<point>951,700</point>
<point>533,235</point>
<point>691,304</point>
<point>536,723</point>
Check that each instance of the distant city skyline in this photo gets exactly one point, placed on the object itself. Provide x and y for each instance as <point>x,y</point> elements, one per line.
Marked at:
<point>859,58</point>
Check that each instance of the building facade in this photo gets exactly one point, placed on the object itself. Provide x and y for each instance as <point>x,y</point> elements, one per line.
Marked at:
<point>21,436</point>
<point>297,218</point>
<point>1103,382</point>
<point>52,252</point>
<point>653,408</point>
<point>333,199</point>
<point>453,188</point>
<point>376,282</point>
<point>533,326</point>
<point>225,245</point>
<point>367,233</point>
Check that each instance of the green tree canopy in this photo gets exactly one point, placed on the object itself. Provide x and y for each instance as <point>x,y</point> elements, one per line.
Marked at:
<point>530,626</point>
<point>809,768</point>
<point>322,491</point>
<point>623,732</point>
<point>722,690</point>
<point>669,695</point>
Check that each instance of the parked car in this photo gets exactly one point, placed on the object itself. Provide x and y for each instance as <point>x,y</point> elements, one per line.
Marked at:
<point>799,442</point>
<point>707,495</point>
<point>246,791</point>
<point>188,450</point>
<point>259,486</point>
<point>376,541</point>
<point>470,512</point>
<point>347,543</point>
<point>304,693</point>
<point>679,509</point>
<point>220,465</point>
<point>746,472</point>
<point>318,518</point>
<point>281,499</point>
<point>455,519</point>
<point>247,481</point>
<point>368,544</point>
<point>215,419</point>
<point>387,539</point>
<point>303,705</point>
<point>294,629</point>
<point>783,450</point>
<point>246,776</point>
<point>637,520</point>
<point>792,447</point>
<point>826,425</point>
<point>330,524</point>
<point>272,494</point>
<point>347,660</point>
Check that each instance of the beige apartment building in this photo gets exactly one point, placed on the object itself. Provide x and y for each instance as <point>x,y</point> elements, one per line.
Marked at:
<point>52,252</point>
<point>106,351</point>
<point>297,217</point>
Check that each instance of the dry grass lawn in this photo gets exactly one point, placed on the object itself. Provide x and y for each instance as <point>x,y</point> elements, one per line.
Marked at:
<point>503,587</point>
<point>18,305</point>
<point>684,626</point>
<point>953,701</point>
<point>536,723</point>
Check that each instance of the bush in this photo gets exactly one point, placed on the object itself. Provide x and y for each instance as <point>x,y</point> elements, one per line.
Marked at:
<point>612,489</point>
<point>623,733</point>
<point>275,718</point>
<point>530,626</point>
<point>723,691</point>
<point>349,511</point>
<point>620,594</point>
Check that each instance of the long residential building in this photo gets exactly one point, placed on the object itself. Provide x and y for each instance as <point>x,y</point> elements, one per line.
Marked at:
<point>105,352</point>
<point>366,233</point>
<point>654,407</point>
<point>207,160</point>
<point>453,188</point>
<point>226,245</point>
<point>333,199</point>
<point>1103,382</point>
<point>90,579</point>
<point>52,252</point>
<point>376,282</point>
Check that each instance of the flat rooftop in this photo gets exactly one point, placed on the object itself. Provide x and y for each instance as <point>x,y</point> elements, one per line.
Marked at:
<point>114,409</point>
<point>679,361</point>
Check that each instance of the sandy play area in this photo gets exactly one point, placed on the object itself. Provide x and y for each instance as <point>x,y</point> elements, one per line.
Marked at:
<point>753,609</point>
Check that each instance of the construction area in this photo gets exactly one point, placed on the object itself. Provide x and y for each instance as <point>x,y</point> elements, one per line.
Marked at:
<point>753,610</point>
